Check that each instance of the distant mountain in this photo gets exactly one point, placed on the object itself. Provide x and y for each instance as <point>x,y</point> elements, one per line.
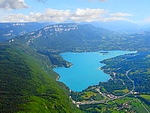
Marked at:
<point>82,37</point>
<point>67,37</point>
<point>10,30</point>
<point>146,27</point>
<point>119,26</point>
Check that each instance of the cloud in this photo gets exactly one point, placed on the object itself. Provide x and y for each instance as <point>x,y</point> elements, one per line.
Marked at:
<point>147,19</point>
<point>114,19</point>
<point>88,15</point>
<point>49,15</point>
<point>15,18</point>
<point>12,4</point>
<point>103,0</point>
<point>120,14</point>
<point>54,15</point>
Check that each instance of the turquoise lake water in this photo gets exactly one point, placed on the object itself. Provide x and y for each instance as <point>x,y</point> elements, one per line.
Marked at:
<point>85,70</point>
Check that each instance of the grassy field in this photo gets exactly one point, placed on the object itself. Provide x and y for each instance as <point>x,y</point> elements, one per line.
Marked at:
<point>88,95</point>
<point>147,97</point>
<point>121,91</point>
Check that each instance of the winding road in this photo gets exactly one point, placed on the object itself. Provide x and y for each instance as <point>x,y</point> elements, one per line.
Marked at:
<point>110,99</point>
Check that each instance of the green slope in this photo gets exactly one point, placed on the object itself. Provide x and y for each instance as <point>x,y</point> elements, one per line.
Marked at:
<point>28,85</point>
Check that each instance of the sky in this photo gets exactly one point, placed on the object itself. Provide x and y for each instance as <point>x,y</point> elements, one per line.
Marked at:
<point>136,11</point>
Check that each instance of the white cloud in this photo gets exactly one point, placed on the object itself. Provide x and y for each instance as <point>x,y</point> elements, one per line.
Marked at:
<point>114,19</point>
<point>88,15</point>
<point>12,4</point>
<point>147,19</point>
<point>49,15</point>
<point>120,14</point>
<point>14,18</point>
<point>103,0</point>
<point>54,15</point>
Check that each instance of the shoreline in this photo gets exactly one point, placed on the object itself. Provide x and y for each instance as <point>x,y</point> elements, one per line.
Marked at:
<point>99,59</point>
<point>57,78</point>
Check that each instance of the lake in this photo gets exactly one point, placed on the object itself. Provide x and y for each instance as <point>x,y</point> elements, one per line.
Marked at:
<point>85,70</point>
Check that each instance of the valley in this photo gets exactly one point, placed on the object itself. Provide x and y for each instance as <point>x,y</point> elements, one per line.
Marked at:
<point>27,61</point>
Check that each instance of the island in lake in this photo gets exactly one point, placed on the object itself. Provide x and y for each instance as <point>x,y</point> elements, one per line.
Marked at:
<point>104,52</point>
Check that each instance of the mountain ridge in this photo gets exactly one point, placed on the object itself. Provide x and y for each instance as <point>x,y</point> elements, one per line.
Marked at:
<point>10,30</point>
<point>68,35</point>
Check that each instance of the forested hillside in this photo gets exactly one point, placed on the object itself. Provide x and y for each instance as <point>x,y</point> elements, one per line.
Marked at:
<point>77,38</point>
<point>28,83</point>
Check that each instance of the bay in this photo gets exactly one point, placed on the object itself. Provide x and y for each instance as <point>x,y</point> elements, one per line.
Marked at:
<point>85,70</point>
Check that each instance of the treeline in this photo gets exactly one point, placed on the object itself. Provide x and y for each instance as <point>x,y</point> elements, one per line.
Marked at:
<point>137,63</point>
<point>56,59</point>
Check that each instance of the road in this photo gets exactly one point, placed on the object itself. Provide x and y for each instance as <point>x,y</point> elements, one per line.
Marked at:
<point>130,80</point>
<point>110,99</point>
<point>133,85</point>
<point>105,101</point>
